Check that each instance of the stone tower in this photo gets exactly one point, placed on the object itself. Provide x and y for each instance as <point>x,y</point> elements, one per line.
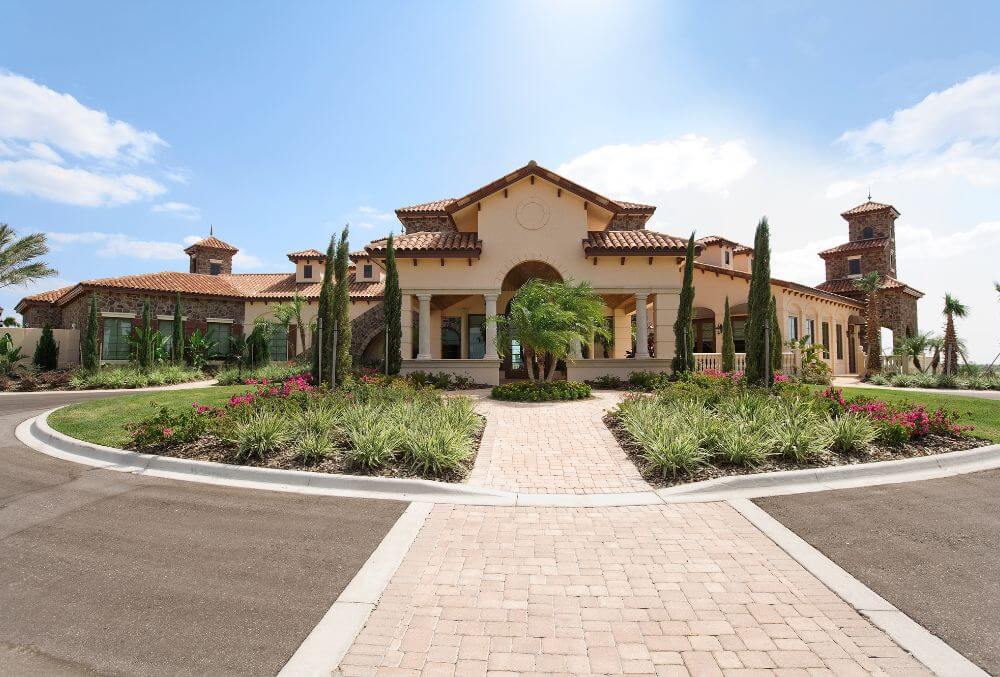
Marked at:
<point>871,247</point>
<point>211,256</point>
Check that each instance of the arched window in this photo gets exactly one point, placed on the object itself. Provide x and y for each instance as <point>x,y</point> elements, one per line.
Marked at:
<point>868,233</point>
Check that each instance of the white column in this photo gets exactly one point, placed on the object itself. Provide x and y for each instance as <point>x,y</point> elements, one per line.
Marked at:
<point>425,327</point>
<point>641,326</point>
<point>491,327</point>
<point>406,327</point>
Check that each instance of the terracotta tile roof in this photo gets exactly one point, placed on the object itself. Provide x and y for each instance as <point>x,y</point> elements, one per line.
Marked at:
<point>868,207</point>
<point>449,206</point>
<point>710,240</point>
<point>212,242</point>
<point>307,254</point>
<point>845,285</point>
<point>628,242</point>
<point>815,291</point>
<point>48,296</point>
<point>856,246</point>
<point>431,244</point>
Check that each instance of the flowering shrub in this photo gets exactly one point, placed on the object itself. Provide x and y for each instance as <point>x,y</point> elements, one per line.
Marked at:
<point>175,427</point>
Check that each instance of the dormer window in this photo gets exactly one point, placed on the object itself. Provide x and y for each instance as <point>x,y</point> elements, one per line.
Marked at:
<point>868,233</point>
<point>367,271</point>
<point>307,271</point>
<point>214,267</point>
<point>854,267</point>
<point>728,257</point>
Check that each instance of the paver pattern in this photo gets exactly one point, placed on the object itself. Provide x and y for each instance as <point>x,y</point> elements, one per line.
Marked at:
<point>553,447</point>
<point>690,589</point>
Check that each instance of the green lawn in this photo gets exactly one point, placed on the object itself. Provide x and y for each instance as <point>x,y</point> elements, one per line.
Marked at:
<point>102,421</point>
<point>977,411</point>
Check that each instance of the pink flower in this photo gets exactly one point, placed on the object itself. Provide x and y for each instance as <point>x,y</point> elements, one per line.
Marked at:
<point>168,432</point>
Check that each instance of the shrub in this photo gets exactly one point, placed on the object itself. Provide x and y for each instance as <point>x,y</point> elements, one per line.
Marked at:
<point>541,391</point>
<point>114,378</point>
<point>258,432</point>
<point>272,373</point>
<point>669,445</point>
<point>648,380</point>
<point>168,427</point>
<point>435,449</point>
<point>373,435</point>
<point>46,356</point>
<point>851,433</point>
<point>313,446</point>
<point>946,381</point>
<point>743,441</point>
<point>896,381</point>
<point>798,432</point>
<point>608,381</point>
<point>441,380</point>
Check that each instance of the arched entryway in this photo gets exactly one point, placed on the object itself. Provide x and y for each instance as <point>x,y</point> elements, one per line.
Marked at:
<point>513,362</point>
<point>703,325</point>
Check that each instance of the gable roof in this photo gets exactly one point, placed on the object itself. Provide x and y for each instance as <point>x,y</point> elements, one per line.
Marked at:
<point>211,242</point>
<point>867,207</point>
<point>447,207</point>
<point>307,254</point>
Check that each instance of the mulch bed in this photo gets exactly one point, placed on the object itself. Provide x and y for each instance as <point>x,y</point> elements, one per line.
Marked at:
<point>21,382</point>
<point>211,448</point>
<point>929,445</point>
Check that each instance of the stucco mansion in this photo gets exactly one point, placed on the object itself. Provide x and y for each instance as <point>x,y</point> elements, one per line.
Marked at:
<point>460,261</point>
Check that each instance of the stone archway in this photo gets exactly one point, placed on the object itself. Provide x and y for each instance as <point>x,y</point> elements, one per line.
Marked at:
<point>513,362</point>
<point>364,328</point>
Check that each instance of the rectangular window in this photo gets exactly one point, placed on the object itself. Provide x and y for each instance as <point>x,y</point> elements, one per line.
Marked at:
<point>307,271</point>
<point>214,268</point>
<point>728,259</point>
<point>117,331</point>
<point>367,269</point>
<point>739,334</point>
<point>840,342</point>
<point>810,334</point>
<point>825,328</point>
<point>477,337</point>
<point>704,336</point>
<point>277,345</point>
<point>451,338</point>
<point>853,266</point>
<point>218,334</point>
<point>793,329</point>
<point>166,329</point>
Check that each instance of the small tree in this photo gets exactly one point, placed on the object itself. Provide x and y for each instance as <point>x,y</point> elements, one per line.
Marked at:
<point>952,308</point>
<point>777,349</point>
<point>683,335</point>
<point>177,334</point>
<point>759,301</point>
<point>728,342</point>
<point>871,285</point>
<point>392,302</point>
<point>46,356</point>
<point>89,357</point>
<point>342,307</point>
<point>291,311</point>
<point>144,342</point>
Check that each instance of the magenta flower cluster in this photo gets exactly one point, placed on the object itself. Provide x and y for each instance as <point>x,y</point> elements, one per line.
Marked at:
<point>737,375</point>
<point>295,384</point>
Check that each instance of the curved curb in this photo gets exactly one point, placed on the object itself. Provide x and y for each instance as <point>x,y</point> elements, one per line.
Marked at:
<point>38,435</point>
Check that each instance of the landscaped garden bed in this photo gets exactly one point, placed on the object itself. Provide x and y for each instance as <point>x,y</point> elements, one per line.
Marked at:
<point>704,427</point>
<point>370,425</point>
<point>541,391</point>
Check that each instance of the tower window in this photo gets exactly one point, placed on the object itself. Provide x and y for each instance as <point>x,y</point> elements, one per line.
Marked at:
<point>868,233</point>
<point>853,266</point>
<point>367,270</point>
<point>194,266</point>
<point>214,268</point>
<point>307,271</point>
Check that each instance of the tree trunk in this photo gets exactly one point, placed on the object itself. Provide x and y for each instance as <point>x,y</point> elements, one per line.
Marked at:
<point>550,369</point>
<point>873,334</point>
<point>950,347</point>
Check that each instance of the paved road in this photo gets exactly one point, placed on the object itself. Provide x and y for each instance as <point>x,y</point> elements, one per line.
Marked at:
<point>931,548</point>
<point>108,573</point>
<point>981,394</point>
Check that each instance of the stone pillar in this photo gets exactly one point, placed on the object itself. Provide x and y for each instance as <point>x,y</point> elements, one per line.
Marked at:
<point>641,326</point>
<point>406,326</point>
<point>490,353</point>
<point>667,305</point>
<point>424,352</point>
<point>623,334</point>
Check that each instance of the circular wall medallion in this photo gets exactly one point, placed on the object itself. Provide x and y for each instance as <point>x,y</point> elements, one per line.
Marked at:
<point>532,213</point>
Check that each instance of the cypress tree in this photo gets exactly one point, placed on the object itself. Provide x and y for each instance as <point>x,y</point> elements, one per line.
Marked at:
<point>728,342</point>
<point>89,357</point>
<point>777,349</point>
<point>46,356</point>
<point>392,302</point>
<point>177,335</point>
<point>342,306</point>
<point>144,347</point>
<point>759,302</point>
<point>683,334</point>
<point>324,329</point>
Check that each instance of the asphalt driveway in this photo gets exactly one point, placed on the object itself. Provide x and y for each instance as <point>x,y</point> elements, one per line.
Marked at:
<point>931,548</point>
<point>108,573</point>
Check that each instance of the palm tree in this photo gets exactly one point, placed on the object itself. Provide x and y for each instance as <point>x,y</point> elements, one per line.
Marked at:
<point>952,308</point>
<point>548,318</point>
<point>871,285</point>
<point>288,311</point>
<point>915,346</point>
<point>16,257</point>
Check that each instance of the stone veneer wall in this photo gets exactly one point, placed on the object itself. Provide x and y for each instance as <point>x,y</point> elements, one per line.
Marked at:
<point>628,222</point>
<point>424,224</point>
<point>196,310</point>
<point>364,328</point>
<point>878,260</point>
<point>881,223</point>
<point>41,315</point>
<point>899,313</point>
<point>203,256</point>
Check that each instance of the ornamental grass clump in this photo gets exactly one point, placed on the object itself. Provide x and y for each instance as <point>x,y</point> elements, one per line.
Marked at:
<point>373,435</point>
<point>669,444</point>
<point>258,433</point>
<point>851,433</point>
<point>799,431</point>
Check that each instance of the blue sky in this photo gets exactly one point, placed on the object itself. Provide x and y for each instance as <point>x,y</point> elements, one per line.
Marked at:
<point>279,122</point>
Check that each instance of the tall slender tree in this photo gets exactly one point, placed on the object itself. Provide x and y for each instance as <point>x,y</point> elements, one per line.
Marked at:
<point>323,335</point>
<point>777,349</point>
<point>728,342</point>
<point>177,333</point>
<point>952,308</point>
<point>758,303</point>
<point>871,285</point>
<point>46,356</point>
<point>88,355</point>
<point>342,307</point>
<point>392,302</point>
<point>683,335</point>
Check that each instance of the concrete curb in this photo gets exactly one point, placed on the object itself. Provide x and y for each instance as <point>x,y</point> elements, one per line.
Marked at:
<point>907,633</point>
<point>329,641</point>
<point>37,434</point>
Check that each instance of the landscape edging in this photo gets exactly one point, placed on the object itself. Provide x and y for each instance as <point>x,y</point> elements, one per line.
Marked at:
<point>37,434</point>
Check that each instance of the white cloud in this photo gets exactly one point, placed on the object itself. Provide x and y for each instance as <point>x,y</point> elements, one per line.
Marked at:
<point>40,128</point>
<point>119,244</point>
<point>33,112</point>
<point>641,171</point>
<point>802,264</point>
<point>179,209</point>
<point>926,244</point>
<point>246,263</point>
<point>373,213</point>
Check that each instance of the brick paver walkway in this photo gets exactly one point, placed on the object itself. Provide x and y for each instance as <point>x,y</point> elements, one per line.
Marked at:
<point>553,447</point>
<point>690,589</point>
